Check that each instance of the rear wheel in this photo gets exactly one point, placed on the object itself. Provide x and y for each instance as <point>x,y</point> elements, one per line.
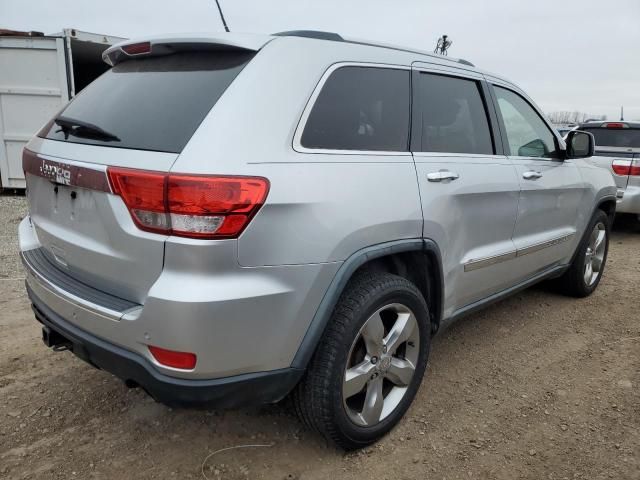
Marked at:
<point>370,362</point>
<point>587,267</point>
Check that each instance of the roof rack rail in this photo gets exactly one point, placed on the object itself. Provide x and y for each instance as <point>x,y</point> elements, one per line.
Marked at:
<point>465,62</point>
<point>318,34</point>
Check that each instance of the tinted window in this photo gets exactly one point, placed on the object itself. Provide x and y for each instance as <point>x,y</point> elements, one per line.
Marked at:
<point>615,137</point>
<point>361,108</point>
<point>454,118</point>
<point>527,134</point>
<point>153,103</point>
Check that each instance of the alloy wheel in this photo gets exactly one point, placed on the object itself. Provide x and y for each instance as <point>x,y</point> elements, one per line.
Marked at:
<point>381,364</point>
<point>595,254</point>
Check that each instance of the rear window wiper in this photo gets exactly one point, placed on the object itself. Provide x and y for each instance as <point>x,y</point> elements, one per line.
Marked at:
<point>79,128</point>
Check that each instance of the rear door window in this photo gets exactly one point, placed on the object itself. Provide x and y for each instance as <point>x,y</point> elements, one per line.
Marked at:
<point>454,117</point>
<point>361,108</point>
<point>152,103</point>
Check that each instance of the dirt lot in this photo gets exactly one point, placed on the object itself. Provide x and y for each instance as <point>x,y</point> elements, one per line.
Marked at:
<point>539,387</point>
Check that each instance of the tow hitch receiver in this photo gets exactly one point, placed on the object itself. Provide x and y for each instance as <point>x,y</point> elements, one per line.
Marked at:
<point>54,340</point>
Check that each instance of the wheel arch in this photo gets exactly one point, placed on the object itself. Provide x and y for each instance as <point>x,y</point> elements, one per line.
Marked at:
<point>418,260</point>
<point>608,206</point>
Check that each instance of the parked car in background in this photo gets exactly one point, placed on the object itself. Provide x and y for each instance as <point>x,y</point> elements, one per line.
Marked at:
<point>618,150</point>
<point>564,130</point>
<point>230,219</point>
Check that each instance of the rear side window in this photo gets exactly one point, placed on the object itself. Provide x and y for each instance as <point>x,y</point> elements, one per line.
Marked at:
<point>361,108</point>
<point>454,118</point>
<point>153,103</point>
<point>615,137</point>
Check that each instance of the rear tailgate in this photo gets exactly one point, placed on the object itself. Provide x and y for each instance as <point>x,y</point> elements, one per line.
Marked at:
<point>82,228</point>
<point>138,115</point>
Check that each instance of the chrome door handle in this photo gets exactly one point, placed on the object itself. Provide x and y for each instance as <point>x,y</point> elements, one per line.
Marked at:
<point>442,175</point>
<point>531,175</point>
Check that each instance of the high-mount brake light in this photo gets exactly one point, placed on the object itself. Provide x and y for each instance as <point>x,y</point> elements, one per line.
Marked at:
<point>615,125</point>
<point>137,48</point>
<point>193,206</point>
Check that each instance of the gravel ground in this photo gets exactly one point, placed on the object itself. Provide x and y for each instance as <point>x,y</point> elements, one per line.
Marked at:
<point>538,386</point>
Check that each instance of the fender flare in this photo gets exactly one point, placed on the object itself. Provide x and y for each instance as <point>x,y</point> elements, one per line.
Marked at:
<point>599,202</point>
<point>343,275</point>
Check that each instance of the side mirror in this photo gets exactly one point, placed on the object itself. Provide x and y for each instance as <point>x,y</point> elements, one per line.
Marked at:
<point>580,144</point>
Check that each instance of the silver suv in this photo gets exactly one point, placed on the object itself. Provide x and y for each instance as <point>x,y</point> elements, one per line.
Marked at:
<point>228,220</point>
<point>618,150</point>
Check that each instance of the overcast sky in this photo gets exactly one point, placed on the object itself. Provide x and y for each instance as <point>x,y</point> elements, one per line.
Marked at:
<point>580,55</point>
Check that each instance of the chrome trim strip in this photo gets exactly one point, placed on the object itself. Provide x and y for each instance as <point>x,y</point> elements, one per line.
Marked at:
<point>542,245</point>
<point>66,172</point>
<point>476,264</point>
<point>447,70</point>
<point>76,301</point>
<point>297,137</point>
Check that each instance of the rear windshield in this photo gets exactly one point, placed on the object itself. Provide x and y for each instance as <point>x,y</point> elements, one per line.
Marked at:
<point>615,137</point>
<point>153,103</point>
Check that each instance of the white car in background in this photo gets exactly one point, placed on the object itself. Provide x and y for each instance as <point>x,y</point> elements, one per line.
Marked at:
<point>618,149</point>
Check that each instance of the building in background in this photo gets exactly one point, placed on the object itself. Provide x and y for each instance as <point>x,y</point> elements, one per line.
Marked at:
<point>38,75</point>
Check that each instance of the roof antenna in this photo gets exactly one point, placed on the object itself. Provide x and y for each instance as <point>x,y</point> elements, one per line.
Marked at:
<point>622,113</point>
<point>443,45</point>
<point>224,22</point>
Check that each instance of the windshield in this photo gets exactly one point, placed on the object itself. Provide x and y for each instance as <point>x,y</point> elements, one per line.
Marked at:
<point>153,103</point>
<point>616,137</point>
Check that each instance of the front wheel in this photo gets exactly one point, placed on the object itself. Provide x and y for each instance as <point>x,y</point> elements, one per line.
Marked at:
<point>370,362</point>
<point>587,267</point>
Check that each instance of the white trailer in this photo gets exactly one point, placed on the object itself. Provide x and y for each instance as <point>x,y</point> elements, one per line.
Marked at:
<point>38,75</point>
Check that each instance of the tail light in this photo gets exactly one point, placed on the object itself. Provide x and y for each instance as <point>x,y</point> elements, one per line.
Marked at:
<point>193,206</point>
<point>626,167</point>
<point>621,167</point>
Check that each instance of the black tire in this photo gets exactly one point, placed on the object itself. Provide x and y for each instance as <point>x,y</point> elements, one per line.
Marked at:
<point>318,399</point>
<point>573,281</point>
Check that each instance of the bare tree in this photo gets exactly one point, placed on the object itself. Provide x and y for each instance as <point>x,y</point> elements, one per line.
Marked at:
<point>566,117</point>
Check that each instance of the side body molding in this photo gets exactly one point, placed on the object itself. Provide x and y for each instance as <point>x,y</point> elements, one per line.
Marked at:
<point>348,268</point>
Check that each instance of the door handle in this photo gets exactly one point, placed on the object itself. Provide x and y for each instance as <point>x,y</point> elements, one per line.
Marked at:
<point>531,175</point>
<point>442,175</point>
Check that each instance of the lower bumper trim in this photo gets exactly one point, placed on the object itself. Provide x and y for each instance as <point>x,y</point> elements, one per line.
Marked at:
<point>230,392</point>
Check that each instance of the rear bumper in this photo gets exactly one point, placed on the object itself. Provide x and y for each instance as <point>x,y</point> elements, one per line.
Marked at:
<point>229,392</point>
<point>630,201</point>
<point>237,320</point>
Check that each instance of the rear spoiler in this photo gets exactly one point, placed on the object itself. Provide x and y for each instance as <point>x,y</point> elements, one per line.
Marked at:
<point>158,46</point>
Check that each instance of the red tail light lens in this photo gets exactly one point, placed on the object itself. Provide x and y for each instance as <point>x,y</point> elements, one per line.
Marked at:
<point>621,167</point>
<point>173,359</point>
<point>143,193</point>
<point>194,206</point>
<point>635,168</point>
